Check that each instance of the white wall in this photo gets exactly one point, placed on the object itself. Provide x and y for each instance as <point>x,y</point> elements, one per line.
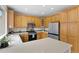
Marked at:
<point>3,21</point>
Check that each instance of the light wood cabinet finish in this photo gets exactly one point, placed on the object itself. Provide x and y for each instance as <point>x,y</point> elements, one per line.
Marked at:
<point>24,37</point>
<point>63,31</point>
<point>21,21</point>
<point>18,21</point>
<point>41,35</point>
<point>47,20</point>
<point>73,15</point>
<point>64,16</point>
<point>11,18</point>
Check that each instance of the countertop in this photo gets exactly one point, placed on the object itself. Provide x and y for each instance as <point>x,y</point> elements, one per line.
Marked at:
<point>46,45</point>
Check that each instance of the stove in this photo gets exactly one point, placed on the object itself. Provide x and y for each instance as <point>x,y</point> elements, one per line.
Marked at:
<point>32,35</point>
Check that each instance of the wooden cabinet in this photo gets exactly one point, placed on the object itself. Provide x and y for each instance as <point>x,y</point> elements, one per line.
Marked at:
<point>73,35</point>
<point>74,43</point>
<point>73,29</point>
<point>37,22</point>
<point>63,31</point>
<point>24,21</point>
<point>73,15</point>
<point>55,18</point>
<point>11,18</point>
<point>24,37</point>
<point>18,21</point>
<point>47,20</point>
<point>64,16</point>
<point>21,21</point>
<point>41,35</point>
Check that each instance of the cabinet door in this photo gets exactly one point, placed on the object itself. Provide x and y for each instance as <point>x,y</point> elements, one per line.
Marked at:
<point>63,32</point>
<point>73,42</point>
<point>44,35</point>
<point>47,21</point>
<point>18,21</point>
<point>73,35</point>
<point>11,18</point>
<point>37,22</point>
<point>73,15</point>
<point>41,35</point>
<point>24,21</point>
<point>56,18</point>
<point>73,29</point>
<point>24,37</point>
<point>64,17</point>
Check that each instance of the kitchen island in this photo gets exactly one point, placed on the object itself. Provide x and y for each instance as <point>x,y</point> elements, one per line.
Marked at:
<point>46,45</point>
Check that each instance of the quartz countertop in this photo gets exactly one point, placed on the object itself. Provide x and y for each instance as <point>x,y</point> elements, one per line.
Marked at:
<point>46,45</point>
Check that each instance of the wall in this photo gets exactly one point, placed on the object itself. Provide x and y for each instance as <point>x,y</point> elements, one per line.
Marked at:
<point>3,22</point>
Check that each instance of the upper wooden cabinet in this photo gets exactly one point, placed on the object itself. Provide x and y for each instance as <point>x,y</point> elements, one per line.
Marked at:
<point>47,20</point>
<point>21,21</point>
<point>55,18</point>
<point>24,21</point>
<point>37,22</point>
<point>73,15</point>
<point>18,21</point>
<point>64,16</point>
<point>11,18</point>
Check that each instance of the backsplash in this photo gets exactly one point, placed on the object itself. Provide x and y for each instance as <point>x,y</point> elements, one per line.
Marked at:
<point>24,29</point>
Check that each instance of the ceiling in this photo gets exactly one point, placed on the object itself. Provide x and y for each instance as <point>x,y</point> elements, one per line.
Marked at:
<point>39,10</point>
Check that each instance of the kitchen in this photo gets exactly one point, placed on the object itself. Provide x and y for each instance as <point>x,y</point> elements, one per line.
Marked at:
<point>35,27</point>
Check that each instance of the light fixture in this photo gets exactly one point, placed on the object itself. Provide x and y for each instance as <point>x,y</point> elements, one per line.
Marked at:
<point>26,9</point>
<point>44,5</point>
<point>51,8</point>
<point>1,13</point>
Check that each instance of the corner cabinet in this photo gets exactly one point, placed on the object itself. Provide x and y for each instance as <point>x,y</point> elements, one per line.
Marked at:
<point>11,18</point>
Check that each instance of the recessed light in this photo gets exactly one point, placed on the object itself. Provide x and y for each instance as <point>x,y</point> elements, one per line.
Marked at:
<point>51,8</point>
<point>26,9</point>
<point>44,5</point>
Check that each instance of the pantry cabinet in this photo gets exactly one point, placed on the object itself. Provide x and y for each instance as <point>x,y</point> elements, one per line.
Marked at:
<point>63,32</point>
<point>73,15</point>
<point>11,18</point>
<point>64,16</point>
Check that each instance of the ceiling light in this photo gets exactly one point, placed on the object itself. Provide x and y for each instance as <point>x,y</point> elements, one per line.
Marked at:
<point>44,5</point>
<point>26,9</point>
<point>51,8</point>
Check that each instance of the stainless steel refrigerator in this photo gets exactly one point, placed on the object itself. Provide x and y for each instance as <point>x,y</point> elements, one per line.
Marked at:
<point>54,30</point>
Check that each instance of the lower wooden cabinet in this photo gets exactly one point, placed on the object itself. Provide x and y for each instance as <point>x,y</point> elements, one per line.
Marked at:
<point>41,35</point>
<point>24,37</point>
<point>74,43</point>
